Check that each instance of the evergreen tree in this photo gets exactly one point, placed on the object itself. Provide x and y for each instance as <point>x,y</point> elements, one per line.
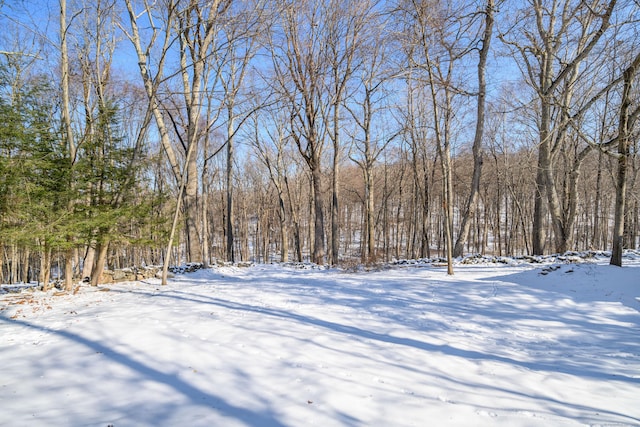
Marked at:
<point>33,170</point>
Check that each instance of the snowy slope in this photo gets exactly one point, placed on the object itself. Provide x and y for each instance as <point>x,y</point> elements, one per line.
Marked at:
<point>506,345</point>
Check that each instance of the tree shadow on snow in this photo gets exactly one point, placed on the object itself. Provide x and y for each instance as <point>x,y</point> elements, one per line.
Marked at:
<point>492,301</point>
<point>563,368</point>
<point>195,395</point>
<point>567,365</point>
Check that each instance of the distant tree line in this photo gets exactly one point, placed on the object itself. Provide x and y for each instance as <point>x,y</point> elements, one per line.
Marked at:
<point>336,132</point>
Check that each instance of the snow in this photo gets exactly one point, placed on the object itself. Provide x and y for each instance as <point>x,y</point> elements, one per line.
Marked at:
<point>497,344</point>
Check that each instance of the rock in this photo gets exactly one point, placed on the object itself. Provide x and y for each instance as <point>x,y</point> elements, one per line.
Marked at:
<point>119,275</point>
<point>107,276</point>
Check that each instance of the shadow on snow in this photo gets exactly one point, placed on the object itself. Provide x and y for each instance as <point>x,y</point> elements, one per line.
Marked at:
<point>195,395</point>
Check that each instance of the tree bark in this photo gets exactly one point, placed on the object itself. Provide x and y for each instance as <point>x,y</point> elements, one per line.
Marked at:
<point>45,266</point>
<point>371,238</point>
<point>68,269</point>
<point>231,257</point>
<point>335,219</point>
<point>297,242</point>
<point>99,262</point>
<point>625,125</point>
<point>318,224</point>
<point>24,275</point>
<point>284,232</point>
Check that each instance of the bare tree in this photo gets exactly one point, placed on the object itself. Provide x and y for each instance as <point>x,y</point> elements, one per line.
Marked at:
<point>242,31</point>
<point>160,27</point>
<point>558,37</point>
<point>416,131</point>
<point>374,132</point>
<point>152,84</point>
<point>215,43</point>
<point>299,52</point>
<point>436,50</point>
<point>197,27</point>
<point>345,22</point>
<point>272,152</point>
<point>469,209</point>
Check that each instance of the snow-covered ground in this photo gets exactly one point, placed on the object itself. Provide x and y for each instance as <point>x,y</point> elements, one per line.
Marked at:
<point>496,344</point>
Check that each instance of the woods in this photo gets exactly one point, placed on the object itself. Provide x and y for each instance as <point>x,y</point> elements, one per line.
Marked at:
<point>339,132</point>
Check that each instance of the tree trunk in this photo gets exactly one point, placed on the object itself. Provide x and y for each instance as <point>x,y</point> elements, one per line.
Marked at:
<point>88,262</point>
<point>624,128</point>
<point>620,206</point>
<point>194,244</point>
<point>425,250</point>
<point>318,226</point>
<point>68,269</point>
<point>15,262</point>
<point>335,220</point>
<point>540,212</point>
<point>448,207</point>
<point>595,237</point>
<point>284,233</point>
<point>231,257</point>
<point>544,163</point>
<point>206,255</point>
<point>472,201</point>
<point>385,213</point>
<point>369,217</point>
<point>45,267</point>
<point>335,223</point>
<point>561,232</point>
<point>24,275</point>
<point>99,262</point>
<point>297,243</point>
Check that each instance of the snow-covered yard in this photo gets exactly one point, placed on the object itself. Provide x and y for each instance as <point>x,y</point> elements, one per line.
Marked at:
<point>509,345</point>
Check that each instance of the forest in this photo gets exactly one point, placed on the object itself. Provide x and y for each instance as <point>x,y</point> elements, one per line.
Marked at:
<point>338,132</point>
